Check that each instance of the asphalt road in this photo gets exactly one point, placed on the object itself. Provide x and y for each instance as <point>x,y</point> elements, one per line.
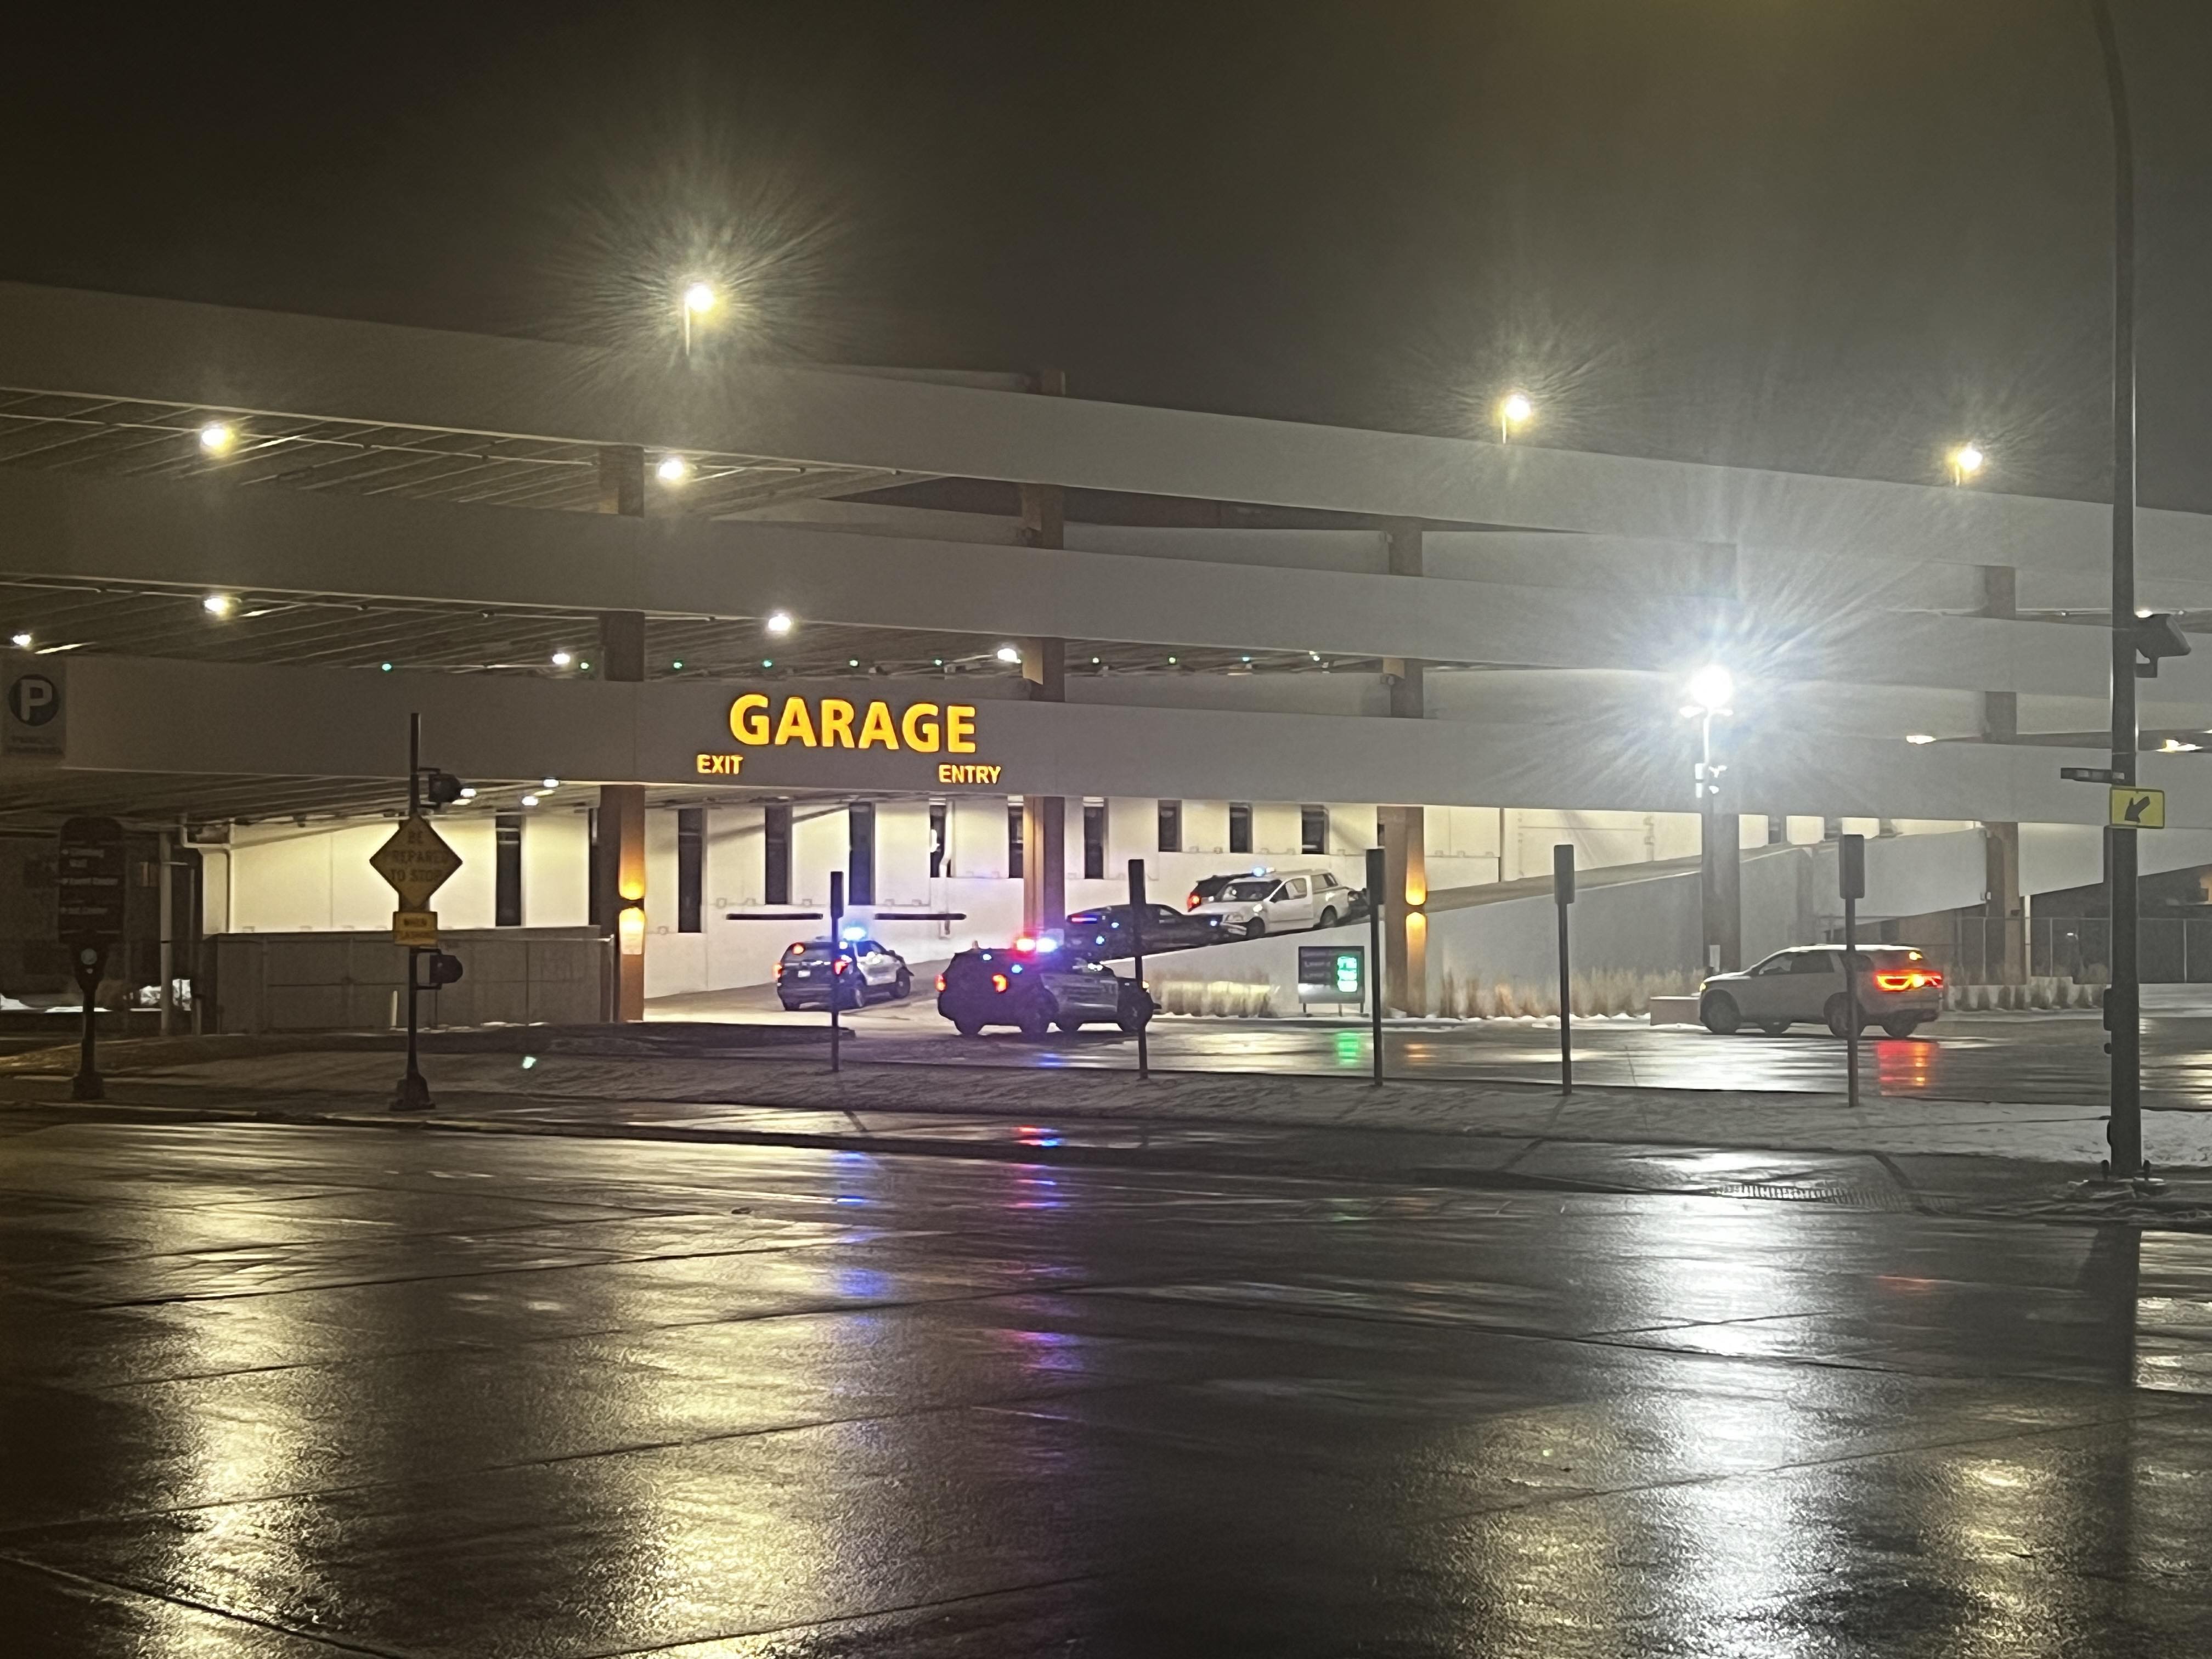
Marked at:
<point>305,1391</point>
<point>2036,1058</point>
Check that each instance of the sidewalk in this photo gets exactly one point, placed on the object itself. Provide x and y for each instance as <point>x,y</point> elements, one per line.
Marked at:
<point>1989,1158</point>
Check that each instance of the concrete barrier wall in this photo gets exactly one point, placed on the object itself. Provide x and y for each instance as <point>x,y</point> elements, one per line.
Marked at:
<point>335,982</point>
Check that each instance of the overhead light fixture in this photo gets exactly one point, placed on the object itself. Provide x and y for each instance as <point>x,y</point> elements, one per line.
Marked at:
<point>217,437</point>
<point>1966,460</point>
<point>530,800</point>
<point>21,641</point>
<point>698,297</point>
<point>219,604</point>
<point>673,470</point>
<point>1513,412</point>
<point>562,659</point>
<point>468,792</point>
<point>549,783</point>
<point>1920,737</point>
<point>779,622</point>
<point>1009,654</point>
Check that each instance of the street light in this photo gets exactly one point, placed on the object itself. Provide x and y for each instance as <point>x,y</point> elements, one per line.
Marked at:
<point>1513,412</point>
<point>1965,461</point>
<point>698,300</point>
<point>1710,692</point>
<point>779,622</point>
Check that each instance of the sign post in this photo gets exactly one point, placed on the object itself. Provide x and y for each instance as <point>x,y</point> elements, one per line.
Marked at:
<point>1378,879</point>
<point>1851,869</point>
<point>1137,959</point>
<point>417,862</point>
<point>88,883</point>
<point>1562,894</point>
<point>836,962</point>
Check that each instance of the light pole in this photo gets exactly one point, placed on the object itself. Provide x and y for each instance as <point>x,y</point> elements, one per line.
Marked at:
<point>2123,1015</point>
<point>1710,690</point>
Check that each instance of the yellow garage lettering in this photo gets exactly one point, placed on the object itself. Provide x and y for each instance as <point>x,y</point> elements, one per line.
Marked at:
<point>877,727</point>
<point>797,725</point>
<point>749,718</point>
<point>836,723</point>
<point>919,727</point>
<point>960,728</point>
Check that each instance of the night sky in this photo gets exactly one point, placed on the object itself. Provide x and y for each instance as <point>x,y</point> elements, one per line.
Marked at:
<point>1830,235</point>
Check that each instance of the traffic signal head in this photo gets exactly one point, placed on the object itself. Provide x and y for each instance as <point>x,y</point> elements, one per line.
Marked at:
<point>441,788</point>
<point>443,969</point>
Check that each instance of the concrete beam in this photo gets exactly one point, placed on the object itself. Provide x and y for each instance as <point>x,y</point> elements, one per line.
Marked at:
<point>289,541</point>
<point>71,341</point>
<point>139,715</point>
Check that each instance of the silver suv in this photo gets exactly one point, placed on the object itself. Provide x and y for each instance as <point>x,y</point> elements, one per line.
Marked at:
<point>1899,990</point>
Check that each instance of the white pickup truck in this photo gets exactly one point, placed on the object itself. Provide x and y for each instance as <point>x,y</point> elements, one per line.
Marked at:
<point>1271,900</point>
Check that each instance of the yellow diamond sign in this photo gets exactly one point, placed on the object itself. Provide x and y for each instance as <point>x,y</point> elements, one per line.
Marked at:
<point>417,862</point>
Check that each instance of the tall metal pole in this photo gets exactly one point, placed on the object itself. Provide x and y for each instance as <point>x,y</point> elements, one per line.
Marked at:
<point>1378,881</point>
<point>2123,999</point>
<point>1562,894</point>
<point>1137,901</point>
<point>414,1094</point>
<point>837,961</point>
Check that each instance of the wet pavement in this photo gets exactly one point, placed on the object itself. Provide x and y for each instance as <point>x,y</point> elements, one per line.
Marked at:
<point>2055,1058</point>
<point>291,1391</point>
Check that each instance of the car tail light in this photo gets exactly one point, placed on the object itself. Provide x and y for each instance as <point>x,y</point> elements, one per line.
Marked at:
<point>778,971</point>
<point>999,983</point>
<point>1912,979</point>
<point>843,962</point>
<point>940,981</point>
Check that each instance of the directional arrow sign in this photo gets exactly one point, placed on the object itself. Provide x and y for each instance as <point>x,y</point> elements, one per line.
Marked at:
<point>2138,809</point>
<point>417,862</point>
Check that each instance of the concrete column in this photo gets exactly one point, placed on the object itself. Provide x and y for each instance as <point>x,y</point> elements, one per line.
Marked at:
<point>2005,944</point>
<point>1720,868</point>
<point>1044,817</point>
<point>1045,666</point>
<point>1404,830</point>
<point>1406,938</point>
<point>618,873</point>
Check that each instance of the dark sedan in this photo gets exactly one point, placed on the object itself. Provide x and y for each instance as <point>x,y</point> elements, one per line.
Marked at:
<point>1104,932</point>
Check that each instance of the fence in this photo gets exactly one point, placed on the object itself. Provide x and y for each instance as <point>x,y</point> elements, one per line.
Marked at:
<point>2171,950</point>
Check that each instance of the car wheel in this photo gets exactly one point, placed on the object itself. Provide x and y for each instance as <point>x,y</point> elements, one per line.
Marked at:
<point>902,986</point>
<point>1256,928</point>
<point>1774,1027</point>
<point>1838,1016</point>
<point>1327,919</point>
<point>968,1027</point>
<point>1035,1023</point>
<point>790,1008</point>
<point>1720,1014</point>
<point>1901,1027</point>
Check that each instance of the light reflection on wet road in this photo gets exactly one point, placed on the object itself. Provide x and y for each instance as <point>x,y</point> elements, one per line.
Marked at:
<point>2048,1059</point>
<point>299,1392</point>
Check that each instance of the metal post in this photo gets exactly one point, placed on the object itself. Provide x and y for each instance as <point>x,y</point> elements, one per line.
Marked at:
<point>414,1094</point>
<point>1377,881</point>
<point>1851,881</point>
<point>166,893</point>
<point>2123,1133</point>
<point>1137,955</point>
<point>836,957</point>
<point>1562,894</point>
<point>90,967</point>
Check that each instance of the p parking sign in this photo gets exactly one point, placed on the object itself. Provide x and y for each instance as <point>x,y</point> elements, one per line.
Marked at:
<point>33,724</point>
